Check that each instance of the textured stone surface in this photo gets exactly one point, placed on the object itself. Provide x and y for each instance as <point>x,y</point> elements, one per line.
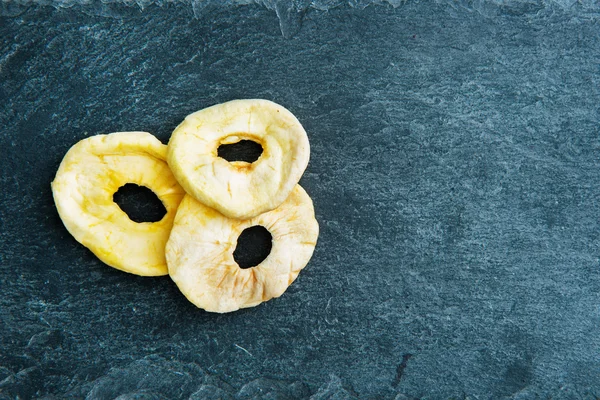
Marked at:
<point>454,170</point>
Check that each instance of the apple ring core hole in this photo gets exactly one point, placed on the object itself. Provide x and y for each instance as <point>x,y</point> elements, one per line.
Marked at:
<point>253,246</point>
<point>245,150</point>
<point>140,203</point>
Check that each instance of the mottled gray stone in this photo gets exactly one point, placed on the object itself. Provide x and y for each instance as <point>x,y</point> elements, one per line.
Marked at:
<point>454,170</point>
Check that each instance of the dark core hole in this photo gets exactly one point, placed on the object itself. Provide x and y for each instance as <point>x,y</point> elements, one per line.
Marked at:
<point>139,203</point>
<point>253,246</point>
<point>244,150</point>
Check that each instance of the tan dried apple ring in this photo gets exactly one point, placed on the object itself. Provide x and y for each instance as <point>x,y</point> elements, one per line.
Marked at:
<point>200,253</point>
<point>239,189</point>
<point>90,173</point>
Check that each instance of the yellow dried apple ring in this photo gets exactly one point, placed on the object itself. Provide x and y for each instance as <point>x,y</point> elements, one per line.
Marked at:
<point>200,253</point>
<point>90,173</point>
<point>239,189</point>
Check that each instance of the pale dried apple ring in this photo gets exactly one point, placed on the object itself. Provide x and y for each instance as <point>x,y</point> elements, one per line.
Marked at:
<point>90,173</point>
<point>200,253</point>
<point>239,189</point>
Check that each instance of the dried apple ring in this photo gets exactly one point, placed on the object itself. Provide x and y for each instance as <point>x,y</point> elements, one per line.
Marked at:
<point>90,173</point>
<point>239,189</point>
<point>200,253</point>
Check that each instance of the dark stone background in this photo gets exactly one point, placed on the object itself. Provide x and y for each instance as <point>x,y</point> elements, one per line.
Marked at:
<point>454,170</point>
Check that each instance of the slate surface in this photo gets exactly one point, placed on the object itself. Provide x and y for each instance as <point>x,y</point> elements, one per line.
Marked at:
<point>454,170</point>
